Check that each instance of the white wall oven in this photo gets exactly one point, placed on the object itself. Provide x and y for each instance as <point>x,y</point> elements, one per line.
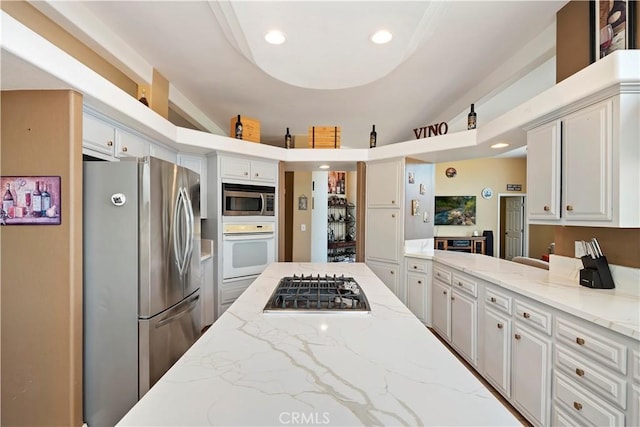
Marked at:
<point>247,200</point>
<point>247,248</point>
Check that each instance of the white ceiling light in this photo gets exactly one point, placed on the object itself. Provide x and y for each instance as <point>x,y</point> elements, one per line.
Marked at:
<point>324,166</point>
<point>275,37</point>
<point>381,37</point>
<point>500,145</point>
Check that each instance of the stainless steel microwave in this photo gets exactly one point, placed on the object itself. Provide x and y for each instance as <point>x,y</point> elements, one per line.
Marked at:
<point>241,199</point>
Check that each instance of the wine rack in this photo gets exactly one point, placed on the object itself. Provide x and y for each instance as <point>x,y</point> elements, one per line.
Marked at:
<point>341,230</point>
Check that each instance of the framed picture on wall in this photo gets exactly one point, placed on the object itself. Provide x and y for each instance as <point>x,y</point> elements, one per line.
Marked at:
<point>30,200</point>
<point>612,26</point>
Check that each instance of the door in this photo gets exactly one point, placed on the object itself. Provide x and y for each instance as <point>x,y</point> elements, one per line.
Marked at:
<point>165,337</point>
<point>497,360</point>
<point>464,325</point>
<point>513,227</point>
<point>441,308</point>
<point>167,236</point>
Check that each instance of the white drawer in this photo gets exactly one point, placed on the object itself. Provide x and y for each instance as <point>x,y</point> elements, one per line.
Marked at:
<point>415,265</point>
<point>465,284</point>
<point>577,400</point>
<point>592,344</point>
<point>533,316</point>
<point>589,374</point>
<point>442,275</point>
<point>498,300</point>
<point>561,418</point>
<point>229,295</point>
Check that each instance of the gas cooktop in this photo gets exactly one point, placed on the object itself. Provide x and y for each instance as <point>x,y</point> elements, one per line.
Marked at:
<point>318,294</point>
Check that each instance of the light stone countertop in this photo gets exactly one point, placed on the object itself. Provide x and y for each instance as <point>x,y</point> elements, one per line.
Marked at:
<point>383,368</point>
<point>616,309</point>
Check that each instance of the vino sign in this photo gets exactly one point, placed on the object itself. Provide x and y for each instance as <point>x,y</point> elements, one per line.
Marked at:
<point>431,130</point>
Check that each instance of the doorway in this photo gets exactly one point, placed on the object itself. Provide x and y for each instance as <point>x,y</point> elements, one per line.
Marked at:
<point>513,236</point>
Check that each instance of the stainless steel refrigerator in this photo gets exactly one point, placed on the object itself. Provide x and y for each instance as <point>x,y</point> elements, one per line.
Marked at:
<point>141,279</point>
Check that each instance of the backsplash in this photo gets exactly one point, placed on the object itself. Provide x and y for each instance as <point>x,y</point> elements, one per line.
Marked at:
<point>621,246</point>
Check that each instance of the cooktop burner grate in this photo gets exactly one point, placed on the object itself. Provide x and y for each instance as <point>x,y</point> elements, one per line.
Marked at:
<point>318,294</point>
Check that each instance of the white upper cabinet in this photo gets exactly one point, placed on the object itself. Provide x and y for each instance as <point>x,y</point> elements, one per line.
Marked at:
<point>244,169</point>
<point>384,184</point>
<point>582,169</point>
<point>197,164</point>
<point>98,135</point>
<point>130,145</point>
<point>543,180</point>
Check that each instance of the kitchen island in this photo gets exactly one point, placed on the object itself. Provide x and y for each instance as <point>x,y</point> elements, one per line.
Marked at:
<point>378,368</point>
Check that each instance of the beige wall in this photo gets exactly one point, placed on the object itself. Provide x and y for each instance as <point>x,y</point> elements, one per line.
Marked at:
<point>41,266</point>
<point>301,239</point>
<point>472,176</point>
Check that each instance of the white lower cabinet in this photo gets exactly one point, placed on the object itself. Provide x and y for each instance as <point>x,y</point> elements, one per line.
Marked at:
<point>464,325</point>
<point>454,312</point>
<point>418,286</point>
<point>635,405</point>
<point>441,308</point>
<point>497,351</point>
<point>531,372</point>
<point>207,292</point>
<point>389,273</point>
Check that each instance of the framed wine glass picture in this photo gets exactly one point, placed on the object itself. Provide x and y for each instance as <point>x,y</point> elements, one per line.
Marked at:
<point>612,26</point>
<point>30,200</point>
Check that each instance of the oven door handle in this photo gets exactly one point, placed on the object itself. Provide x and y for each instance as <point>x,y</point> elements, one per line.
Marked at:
<point>263,205</point>
<point>248,236</point>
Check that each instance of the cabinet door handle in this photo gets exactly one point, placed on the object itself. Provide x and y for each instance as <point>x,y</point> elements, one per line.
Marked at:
<point>569,207</point>
<point>257,174</point>
<point>526,315</point>
<point>452,298</point>
<point>444,292</point>
<point>579,372</point>
<point>109,143</point>
<point>415,267</point>
<point>124,149</point>
<point>459,283</point>
<point>577,405</point>
<point>517,336</point>
<point>493,299</point>
<point>419,282</point>
<point>391,271</point>
<point>393,202</point>
<point>393,215</point>
<point>500,326</point>
<point>580,341</point>
<point>246,174</point>
<point>547,208</point>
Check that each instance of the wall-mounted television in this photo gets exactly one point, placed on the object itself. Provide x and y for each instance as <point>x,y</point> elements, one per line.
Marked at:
<point>455,210</point>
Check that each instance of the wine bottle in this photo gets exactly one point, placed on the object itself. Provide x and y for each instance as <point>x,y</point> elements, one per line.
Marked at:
<point>373,136</point>
<point>143,98</point>
<point>238,128</point>
<point>36,201</point>
<point>287,139</point>
<point>46,200</point>
<point>7,200</point>
<point>471,119</point>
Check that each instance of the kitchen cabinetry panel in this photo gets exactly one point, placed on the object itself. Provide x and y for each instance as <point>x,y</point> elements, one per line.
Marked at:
<point>383,234</point>
<point>384,184</point>
<point>243,169</point>
<point>164,153</point>
<point>416,286</point>
<point>441,308</point>
<point>98,135</point>
<point>197,164</point>
<point>497,351</point>
<point>464,325</point>
<point>544,151</point>
<point>388,273</point>
<point>531,368</point>
<point>583,168</point>
<point>130,145</point>
<point>587,144</point>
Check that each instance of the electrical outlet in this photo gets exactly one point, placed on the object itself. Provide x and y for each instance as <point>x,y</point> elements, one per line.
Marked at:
<point>303,227</point>
<point>579,249</point>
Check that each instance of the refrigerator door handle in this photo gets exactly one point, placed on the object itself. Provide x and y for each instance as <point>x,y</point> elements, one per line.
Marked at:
<point>190,306</point>
<point>178,237</point>
<point>190,227</point>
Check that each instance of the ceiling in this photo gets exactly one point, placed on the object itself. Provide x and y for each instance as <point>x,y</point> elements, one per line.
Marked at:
<point>327,72</point>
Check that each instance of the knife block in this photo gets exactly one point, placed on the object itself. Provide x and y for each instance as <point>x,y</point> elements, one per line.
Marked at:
<point>596,273</point>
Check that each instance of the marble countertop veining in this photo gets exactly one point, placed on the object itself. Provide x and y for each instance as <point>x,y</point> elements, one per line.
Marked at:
<point>616,309</point>
<point>255,368</point>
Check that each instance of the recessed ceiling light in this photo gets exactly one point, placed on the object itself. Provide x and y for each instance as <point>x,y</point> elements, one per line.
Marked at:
<point>275,37</point>
<point>381,37</point>
<point>500,145</point>
<point>324,166</point>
